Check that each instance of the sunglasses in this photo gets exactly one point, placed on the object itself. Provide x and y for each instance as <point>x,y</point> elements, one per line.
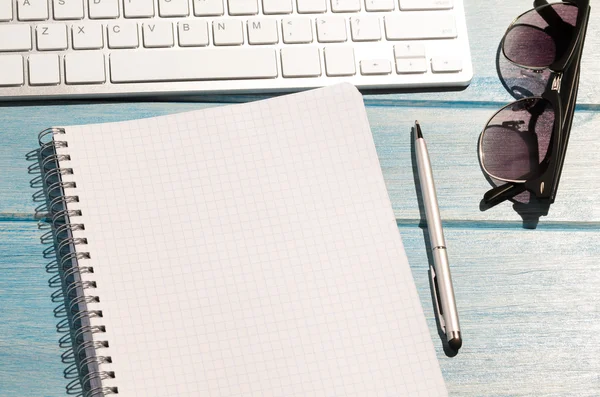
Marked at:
<point>522,147</point>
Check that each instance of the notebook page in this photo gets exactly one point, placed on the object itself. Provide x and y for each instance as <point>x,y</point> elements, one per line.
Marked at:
<point>250,250</point>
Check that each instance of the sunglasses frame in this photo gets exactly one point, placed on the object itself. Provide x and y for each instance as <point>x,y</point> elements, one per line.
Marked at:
<point>561,96</point>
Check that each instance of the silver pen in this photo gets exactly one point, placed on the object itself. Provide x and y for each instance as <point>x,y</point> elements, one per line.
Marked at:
<point>441,280</point>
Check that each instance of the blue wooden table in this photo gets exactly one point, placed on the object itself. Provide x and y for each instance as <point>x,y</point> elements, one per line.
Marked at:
<point>529,299</point>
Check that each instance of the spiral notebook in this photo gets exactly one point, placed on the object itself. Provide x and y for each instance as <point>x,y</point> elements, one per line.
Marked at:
<point>244,250</point>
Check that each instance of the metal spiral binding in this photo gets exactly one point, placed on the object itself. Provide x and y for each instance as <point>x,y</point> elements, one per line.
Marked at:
<point>76,291</point>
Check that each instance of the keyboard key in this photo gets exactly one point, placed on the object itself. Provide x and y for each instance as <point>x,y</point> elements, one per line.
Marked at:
<point>193,33</point>
<point>243,7</point>
<point>277,6</point>
<point>445,65</point>
<point>5,10</point>
<point>262,31</point>
<point>85,68</point>
<point>157,35</point>
<point>208,8</point>
<point>67,9</point>
<point>32,10</point>
<point>123,35</point>
<point>44,69</point>
<point>11,70</point>
<point>297,30</point>
<point>365,28</point>
<point>138,8</point>
<point>87,36</point>
<point>408,5</point>
<point>207,64</point>
<point>173,8</point>
<point>379,5</point>
<point>339,61</point>
<point>420,25</point>
<point>331,29</point>
<point>300,62</point>
<point>411,65</point>
<point>311,6</point>
<point>100,9</point>
<point>15,38</point>
<point>345,5</point>
<point>228,32</point>
<point>375,67</point>
<point>51,37</point>
<point>409,50</point>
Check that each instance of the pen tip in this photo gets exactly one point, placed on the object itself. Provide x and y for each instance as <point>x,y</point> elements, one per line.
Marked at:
<point>418,132</point>
<point>455,343</point>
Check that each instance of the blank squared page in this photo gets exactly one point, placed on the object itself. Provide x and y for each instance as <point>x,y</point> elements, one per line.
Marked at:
<point>250,250</point>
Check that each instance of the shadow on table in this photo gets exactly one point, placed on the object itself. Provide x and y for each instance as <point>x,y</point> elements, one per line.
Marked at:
<point>231,98</point>
<point>57,254</point>
<point>521,83</point>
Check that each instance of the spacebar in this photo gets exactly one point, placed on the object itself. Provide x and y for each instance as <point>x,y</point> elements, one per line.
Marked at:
<point>199,64</point>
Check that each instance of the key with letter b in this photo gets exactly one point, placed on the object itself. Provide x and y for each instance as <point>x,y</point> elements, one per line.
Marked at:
<point>193,33</point>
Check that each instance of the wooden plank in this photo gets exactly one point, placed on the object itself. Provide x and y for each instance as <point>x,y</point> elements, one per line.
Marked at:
<point>452,136</point>
<point>451,133</point>
<point>29,353</point>
<point>528,303</point>
<point>529,311</point>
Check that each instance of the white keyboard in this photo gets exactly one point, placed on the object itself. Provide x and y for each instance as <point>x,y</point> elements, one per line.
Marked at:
<point>108,48</point>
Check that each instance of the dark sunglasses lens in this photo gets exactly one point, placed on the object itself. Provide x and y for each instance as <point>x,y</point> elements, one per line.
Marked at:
<point>541,36</point>
<point>516,140</point>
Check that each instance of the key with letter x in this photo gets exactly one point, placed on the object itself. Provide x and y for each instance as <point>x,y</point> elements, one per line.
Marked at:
<point>87,36</point>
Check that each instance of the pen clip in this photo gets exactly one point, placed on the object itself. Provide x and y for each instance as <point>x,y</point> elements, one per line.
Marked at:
<point>438,305</point>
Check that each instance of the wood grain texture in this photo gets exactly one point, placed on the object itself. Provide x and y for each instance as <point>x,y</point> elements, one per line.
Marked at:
<point>30,362</point>
<point>529,310</point>
<point>451,134</point>
<point>528,302</point>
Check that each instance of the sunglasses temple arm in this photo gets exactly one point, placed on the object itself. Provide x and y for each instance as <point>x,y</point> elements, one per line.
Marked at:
<point>501,193</point>
<point>547,13</point>
<point>571,77</point>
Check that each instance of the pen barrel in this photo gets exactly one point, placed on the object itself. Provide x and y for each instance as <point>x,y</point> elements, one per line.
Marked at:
<point>432,212</point>
<point>444,284</point>
<point>443,279</point>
